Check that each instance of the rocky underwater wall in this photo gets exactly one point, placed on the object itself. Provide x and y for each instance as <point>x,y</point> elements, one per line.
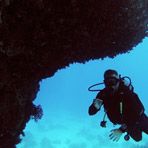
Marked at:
<point>38,37</point>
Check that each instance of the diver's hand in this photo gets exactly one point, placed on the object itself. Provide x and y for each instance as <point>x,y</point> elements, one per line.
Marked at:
<point>115,134</point>
<point>97,103</point>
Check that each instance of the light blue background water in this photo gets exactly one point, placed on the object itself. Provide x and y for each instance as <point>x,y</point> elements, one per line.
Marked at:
<point>65,101</point>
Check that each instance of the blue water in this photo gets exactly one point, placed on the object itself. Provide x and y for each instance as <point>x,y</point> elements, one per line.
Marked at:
<point>65,101</point>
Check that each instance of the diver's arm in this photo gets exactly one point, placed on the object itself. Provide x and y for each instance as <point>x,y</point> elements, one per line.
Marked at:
<point>95,106</point>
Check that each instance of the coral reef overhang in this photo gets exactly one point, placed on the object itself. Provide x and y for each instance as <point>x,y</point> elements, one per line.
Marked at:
<point>38,37</point>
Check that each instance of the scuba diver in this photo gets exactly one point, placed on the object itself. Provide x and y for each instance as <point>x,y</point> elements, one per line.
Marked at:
<point>122,106</point>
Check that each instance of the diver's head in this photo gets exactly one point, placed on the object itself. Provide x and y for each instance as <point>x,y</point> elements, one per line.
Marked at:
<point>111,80</point>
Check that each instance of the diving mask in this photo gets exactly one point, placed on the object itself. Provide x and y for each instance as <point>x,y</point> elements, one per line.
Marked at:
<point>111,81</point>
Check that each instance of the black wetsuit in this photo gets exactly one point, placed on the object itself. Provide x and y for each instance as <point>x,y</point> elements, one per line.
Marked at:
<point>132,113</point>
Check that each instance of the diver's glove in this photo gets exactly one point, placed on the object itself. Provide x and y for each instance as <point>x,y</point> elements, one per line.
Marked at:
<point>115,134</point>
<point>97,103</point>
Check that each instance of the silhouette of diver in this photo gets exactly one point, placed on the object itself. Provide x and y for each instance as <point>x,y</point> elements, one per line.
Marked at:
<point>122,106</point>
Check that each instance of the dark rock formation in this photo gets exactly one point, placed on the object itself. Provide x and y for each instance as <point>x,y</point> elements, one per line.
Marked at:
<point>38,37</point>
